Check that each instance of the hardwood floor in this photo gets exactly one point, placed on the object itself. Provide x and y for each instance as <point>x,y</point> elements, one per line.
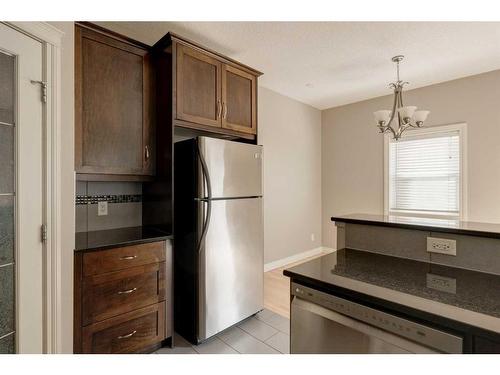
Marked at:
<point>277,292</point>
<point>277,288</point>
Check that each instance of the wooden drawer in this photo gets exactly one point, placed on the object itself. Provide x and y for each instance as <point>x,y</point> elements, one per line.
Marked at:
<point>108,295</point>
<point>98,262</point>
<point>128,333</point>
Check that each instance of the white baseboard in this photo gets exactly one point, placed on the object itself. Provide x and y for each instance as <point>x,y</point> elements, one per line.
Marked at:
<point>297,257</point>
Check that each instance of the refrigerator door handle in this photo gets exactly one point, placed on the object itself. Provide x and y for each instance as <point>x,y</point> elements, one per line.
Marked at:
<point>206,222</point>
<point>206,177</point>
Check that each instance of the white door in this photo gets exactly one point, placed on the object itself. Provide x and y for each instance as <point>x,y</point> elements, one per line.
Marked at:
<point>21,196</point>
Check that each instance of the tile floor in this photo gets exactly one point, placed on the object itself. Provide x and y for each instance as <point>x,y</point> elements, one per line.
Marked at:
<point>263,333</point>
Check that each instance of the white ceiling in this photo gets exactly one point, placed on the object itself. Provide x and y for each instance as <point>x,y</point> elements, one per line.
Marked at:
<point>327,64</point>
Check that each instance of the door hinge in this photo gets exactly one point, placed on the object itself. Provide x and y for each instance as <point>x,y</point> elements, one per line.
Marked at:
<point>43,86</point>
<point>44,232</point>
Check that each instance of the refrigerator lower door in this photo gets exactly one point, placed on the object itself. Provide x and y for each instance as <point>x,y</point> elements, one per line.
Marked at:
<point>234,169</point>
<point>231,265</point>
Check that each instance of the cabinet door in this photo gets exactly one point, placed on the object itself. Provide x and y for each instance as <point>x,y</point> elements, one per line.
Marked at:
<point>113,114</point>
<point>239,108</point>
<point>198,96</point>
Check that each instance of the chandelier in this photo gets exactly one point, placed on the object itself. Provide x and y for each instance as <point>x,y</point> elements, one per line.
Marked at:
<point>406,116</point>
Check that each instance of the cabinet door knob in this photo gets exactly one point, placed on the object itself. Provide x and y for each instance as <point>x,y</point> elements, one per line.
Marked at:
<point>146,152</point>
<point>127,335</point>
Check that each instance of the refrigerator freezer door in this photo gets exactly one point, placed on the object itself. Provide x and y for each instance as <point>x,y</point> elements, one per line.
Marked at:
<point>234,169</point>
<point>231,265</point>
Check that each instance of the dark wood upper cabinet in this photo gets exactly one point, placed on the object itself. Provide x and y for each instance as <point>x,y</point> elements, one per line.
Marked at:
<point>239,98</point>
<point>210,92</point>
<point>114,93</point>
<point>198,87</point>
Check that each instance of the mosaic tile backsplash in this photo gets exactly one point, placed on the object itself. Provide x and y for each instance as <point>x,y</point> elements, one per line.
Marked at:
<point>94,199</point>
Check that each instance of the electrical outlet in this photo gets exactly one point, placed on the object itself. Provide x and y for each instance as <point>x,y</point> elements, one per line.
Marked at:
<point>441,246</point>
<point>442,283</point>
<point>313,237</point>
<point>102,208</point>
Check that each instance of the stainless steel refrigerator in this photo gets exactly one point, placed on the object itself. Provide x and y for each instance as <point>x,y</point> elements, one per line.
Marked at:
<point>218,235</point>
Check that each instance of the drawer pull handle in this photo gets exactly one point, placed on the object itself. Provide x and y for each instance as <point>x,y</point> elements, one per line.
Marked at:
<point>128,257</point>
<point>126,336</point>
<point>127,291</point>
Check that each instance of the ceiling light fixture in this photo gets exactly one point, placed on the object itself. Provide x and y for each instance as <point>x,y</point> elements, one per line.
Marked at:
<point>407,116</point>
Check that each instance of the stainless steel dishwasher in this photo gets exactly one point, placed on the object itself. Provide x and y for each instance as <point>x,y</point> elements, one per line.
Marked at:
<point>323,323</point>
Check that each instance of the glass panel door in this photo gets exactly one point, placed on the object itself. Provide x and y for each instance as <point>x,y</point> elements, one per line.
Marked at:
<point>21,193</point>
<point>7,203</point>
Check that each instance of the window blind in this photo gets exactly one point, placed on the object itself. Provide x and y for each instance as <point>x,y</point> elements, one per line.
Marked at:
<point>424,174</point>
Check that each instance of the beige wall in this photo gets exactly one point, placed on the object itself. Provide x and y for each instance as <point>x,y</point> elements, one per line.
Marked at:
<point>290,132</point>
<point>67,182</point>
<point>352,158</point>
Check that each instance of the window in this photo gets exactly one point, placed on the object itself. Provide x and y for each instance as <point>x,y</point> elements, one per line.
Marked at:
<point>425,173</point>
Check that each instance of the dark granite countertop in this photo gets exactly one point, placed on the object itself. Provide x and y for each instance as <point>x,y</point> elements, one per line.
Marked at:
<point>409,282</point>
<point>104,239</point>
<point>471,228</point>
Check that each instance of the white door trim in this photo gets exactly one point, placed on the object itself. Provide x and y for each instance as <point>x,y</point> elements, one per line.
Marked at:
<point>50,37</point>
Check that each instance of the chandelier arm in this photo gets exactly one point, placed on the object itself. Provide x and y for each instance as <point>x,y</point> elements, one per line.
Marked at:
<point>406,126</point>
<point>401,122</point>
<point>393,132</point>
<point>393,109</point>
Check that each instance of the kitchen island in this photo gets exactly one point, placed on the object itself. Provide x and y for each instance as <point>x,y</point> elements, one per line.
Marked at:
<point>383,292</point>
<point>470,228</point>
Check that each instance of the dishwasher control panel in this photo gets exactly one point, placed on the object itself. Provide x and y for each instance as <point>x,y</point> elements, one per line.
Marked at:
<point>411,330</point>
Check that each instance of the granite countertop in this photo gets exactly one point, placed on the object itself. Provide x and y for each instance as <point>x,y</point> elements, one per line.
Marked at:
<point>471,297</point>
<point>490,230</point>
<point>104,239</point>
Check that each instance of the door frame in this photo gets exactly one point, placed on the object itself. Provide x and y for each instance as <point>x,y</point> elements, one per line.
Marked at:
<point>51,39</point>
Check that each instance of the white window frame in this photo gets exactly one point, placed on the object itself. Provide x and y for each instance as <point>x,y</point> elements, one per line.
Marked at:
<point>462,131</point>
